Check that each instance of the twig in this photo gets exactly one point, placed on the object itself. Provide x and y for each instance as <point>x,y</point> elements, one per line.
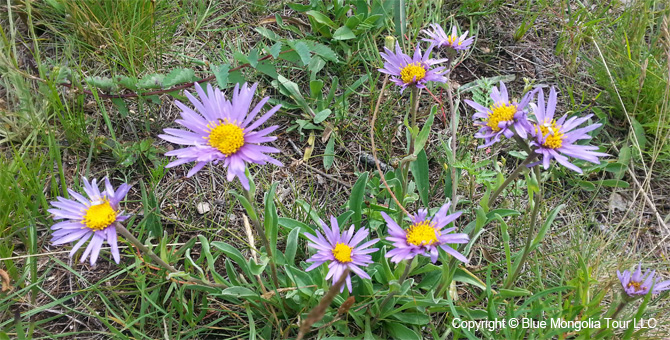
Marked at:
<point>330,177</point>
<point>319,311</point>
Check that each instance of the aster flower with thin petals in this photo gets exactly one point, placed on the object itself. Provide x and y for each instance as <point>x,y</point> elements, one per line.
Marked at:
<point>341,250</point>
<point>223,131</point>
<point>439,38</point>
<point>502,118</point>
<point>636,284</point>
<point>555,139</point>
<point>414,71</point>
<point>424,236</point>
<point>89,218</point>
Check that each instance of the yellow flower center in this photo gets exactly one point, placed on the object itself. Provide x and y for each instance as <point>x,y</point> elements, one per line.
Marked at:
<point>422,233</point>
<point>552,134</point>
<point>342,253</point>
<point>453,39</point>
<point>227,137</point>
<point>637,285</point>
<point>500,113</point>
<point>412,70</point>
<point>99,216</point>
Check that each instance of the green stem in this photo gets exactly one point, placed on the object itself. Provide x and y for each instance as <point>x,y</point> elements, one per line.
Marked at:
<point>128,236</point>
<point>392,294</point>
<point>264,238</point>
<point>531,157</point>
<point>413,109</point>
<point>404,166</point>
<point>454,131</point>
<point>531,232</point>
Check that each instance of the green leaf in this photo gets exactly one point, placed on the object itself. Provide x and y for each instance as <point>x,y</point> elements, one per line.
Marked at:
<point>321,116</point>
<point>292,90</point>
<point>638,134</point>
<point>221,73</point>
<point>586,185</point>
<point>247,206</point>
<point>268,34</point>
<point>425,131</point>
<point>126,82</point>
<point>179,76</point>
<point>419,169</point>
<point>240,292</point>
<point>234,255</point>
<point>292,224</point>
<point>315,65</point>
<point>322,50</point>
<point>291,245</point>
<point>302,49</point>
<point>252,58</point>
<point>315,87</point>
<point>464,275</point>
<point>353,21</point>
<point>399,18</point>
<point>343,33</point>
<point>399,331</point>
<point>121,106</point>
<point>103,83</point>
<point>545,226</point>
<point>151,81</point>
<point>268,68</point>
<point>329,154</point>
<point>275,49</point>
<point>507,293</point>
<point>418,319</point>
<point>320,18</point>
<point>355,85</point>
<point>258,268</point>
<point>211,266</point>
<point>613,183</point>
<point>357,197</point>
<point>502,212</point>
<point>271,229</point>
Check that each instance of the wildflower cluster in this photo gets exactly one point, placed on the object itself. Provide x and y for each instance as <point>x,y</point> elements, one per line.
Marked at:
<point>217,129</point>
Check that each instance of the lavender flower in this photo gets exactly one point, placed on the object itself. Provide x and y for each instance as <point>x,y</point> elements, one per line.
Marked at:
<point>554,139</point>
<point>415,71</point>
<point>86,217</point>
<point>439,38</point>
<point>424,236</point>
<point>223,131</point>
<point>341,250</point>
<point>638,284</point>
<point>503,117</point>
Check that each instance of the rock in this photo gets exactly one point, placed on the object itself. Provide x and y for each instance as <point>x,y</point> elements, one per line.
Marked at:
<point>203,207</point>
<point>617,202</point>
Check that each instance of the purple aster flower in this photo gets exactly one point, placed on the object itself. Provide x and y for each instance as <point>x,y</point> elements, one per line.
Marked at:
<point>415,71</point>
<point>223,130</point>
<point>424,236</point>
<point>440,39</point>
<point>341,250</point>
<point>503,117</point>
<point>554,139</point>
<point>638,284</point>
<point>86,217</point>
